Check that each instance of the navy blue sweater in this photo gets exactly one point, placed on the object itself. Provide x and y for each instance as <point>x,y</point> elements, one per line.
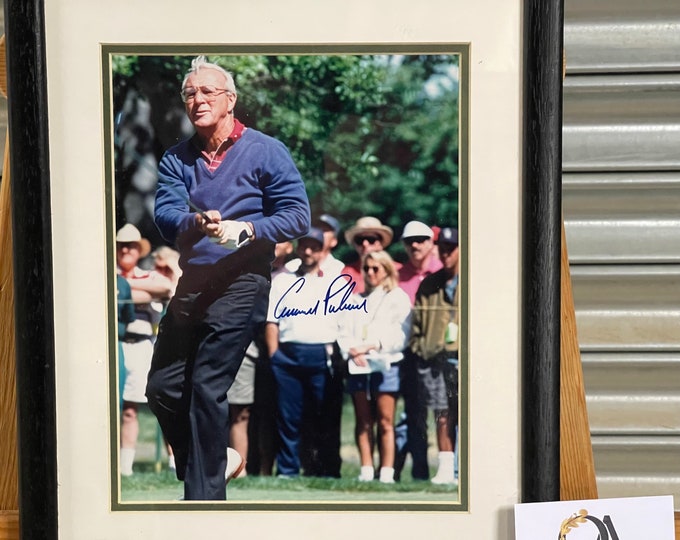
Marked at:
<point>257,182</point>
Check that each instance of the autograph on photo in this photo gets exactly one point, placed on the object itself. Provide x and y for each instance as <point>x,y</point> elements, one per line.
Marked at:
<point>342,287</point>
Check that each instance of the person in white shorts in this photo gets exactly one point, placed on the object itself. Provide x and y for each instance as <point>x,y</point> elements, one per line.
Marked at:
<point>149,289</point>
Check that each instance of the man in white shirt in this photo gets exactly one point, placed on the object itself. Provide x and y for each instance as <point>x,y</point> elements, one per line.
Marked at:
<point>324,459</point>
<point>300,331</point>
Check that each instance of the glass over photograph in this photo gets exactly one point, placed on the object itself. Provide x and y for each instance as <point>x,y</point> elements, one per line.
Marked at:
<point>288,279</point>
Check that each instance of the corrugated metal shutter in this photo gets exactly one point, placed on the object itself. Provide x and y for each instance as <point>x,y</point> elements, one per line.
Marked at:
<point>621,200</point>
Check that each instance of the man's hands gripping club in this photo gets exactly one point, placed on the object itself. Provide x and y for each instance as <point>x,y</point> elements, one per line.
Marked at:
<point>227,233</point>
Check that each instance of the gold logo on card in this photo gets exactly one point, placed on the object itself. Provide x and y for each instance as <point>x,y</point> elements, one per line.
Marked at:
<point>604,528</point>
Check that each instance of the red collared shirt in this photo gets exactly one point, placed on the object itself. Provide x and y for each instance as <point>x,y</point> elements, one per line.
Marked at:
<point>411,277</point>
<point>213,160</point>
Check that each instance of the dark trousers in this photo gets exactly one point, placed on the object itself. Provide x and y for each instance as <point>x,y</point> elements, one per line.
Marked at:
<point>416,412</point>
<point>201,343</point>
<point>301,373</point>
<point>320,447</point>
<point>263,439</point>
<point>415,409</point>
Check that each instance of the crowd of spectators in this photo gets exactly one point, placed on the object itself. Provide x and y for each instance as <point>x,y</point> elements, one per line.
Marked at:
<point>388,332</point>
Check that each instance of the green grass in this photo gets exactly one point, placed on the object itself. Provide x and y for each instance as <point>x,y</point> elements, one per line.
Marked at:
<point>163,486</point>
<point>152,481</point>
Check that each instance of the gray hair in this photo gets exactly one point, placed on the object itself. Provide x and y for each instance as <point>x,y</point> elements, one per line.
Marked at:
<point>201,62</point>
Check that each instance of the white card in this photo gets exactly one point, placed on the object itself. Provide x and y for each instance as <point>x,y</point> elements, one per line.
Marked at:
<point>604,519</point>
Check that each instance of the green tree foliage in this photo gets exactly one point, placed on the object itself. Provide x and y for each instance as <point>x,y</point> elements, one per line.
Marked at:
<point>371,134</point>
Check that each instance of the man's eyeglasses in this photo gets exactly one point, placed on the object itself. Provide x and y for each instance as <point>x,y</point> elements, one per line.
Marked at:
<point>210,93</point>
<point>368,269</point>
<point>416,240</point>
<point>359,240</point>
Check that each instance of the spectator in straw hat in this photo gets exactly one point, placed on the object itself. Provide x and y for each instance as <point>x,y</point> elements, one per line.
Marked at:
<point>148,291</point>
<point>367,235</point>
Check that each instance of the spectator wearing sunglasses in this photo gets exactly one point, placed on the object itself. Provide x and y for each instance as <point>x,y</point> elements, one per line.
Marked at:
<point>418,240</point>
<point>368,235</point>
<point>225,197</point>
<point>372,342</point>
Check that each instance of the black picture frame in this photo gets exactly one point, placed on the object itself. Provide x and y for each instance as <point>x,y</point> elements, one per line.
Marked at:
<point>34,280</point>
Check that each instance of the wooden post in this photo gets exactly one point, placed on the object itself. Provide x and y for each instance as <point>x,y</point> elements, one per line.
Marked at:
<point>577,468</point>
<point>9,525</point>
<point>9,480</point>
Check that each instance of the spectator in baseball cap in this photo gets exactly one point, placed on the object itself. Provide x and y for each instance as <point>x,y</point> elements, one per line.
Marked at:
<point>417,239</point>
<point>298,337</point>
<point>326,220</point>
<point>314,233</point>
<point>320,452</point>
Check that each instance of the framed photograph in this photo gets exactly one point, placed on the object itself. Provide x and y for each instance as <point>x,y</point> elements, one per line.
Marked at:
<point>337,109</point>
<point>492,74</point>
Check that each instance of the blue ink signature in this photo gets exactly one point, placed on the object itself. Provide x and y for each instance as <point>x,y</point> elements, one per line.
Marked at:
<point>331,303</point>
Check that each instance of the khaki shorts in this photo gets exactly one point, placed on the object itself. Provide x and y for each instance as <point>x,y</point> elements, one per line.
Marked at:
<point>438,384</point>
<point>137,365</point>
<point>242,392</point>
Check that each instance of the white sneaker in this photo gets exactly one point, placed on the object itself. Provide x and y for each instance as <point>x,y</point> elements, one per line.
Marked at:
<point>367,474</point>
<point>445,474</point>
<point>127,458</point>
<point>387,475</point>
<point>236,463</point>
<point>441,478</point>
